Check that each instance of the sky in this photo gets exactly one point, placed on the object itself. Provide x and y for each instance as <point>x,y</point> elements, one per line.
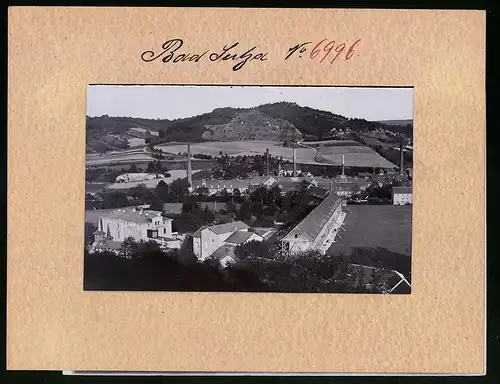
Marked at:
<point>173,102</point>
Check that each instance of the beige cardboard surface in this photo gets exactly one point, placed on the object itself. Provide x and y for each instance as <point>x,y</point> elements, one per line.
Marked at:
<point>53,324</point>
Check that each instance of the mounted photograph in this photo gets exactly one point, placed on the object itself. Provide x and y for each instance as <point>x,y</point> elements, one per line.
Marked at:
<point>292,189</point>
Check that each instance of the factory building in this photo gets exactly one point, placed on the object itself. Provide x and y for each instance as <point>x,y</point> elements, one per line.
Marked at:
<point>318,230</point>
<point>137,223</point>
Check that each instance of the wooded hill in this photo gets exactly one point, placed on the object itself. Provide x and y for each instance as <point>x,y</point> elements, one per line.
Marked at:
<point>265,122</point>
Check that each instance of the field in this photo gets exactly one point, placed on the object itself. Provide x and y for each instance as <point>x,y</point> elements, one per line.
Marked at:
<point>317,153</point>
<point>136,142</point>
<point>121,157</point>
<point>175,174</point>
<point>324,153</point>
<point>372,226</point>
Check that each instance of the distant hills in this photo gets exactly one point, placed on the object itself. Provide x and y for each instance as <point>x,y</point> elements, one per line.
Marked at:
<point>396,122</point>
<point>276,121</point>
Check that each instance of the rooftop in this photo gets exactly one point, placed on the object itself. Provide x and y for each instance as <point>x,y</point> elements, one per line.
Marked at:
<point>223,251</point>
<point>317,191</point>
<point>239,237</point>
<point>261,179</point>
<point>265,233</point>
<point>108,244</point>
<point>398,190</point>
<point>132,215</point>
<point>223,228</point>
<point>314,222</point>
<point>220,184</point>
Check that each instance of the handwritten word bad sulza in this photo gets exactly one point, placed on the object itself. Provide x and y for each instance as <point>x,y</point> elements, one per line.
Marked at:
<point>170,54</point>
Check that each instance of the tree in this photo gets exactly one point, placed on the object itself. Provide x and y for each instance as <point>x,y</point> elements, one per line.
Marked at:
<point>187,222</point>
<point>257,209</point>
<point>202,192</point>
<point>231,207</point>
<point>180,188</point>
<point>236,193</point>
<point>254,249</point>
<point>245,213</point>
<point>190,205</point>
<point>274,193</point>
<point>356,189</point>
<point>133,169</point>
<point>261,195</point>
<point>90,228</point>
<point>208,216</point>
<point>156,205</point>
<point>115,200</point>
<point>128,247</point>
<point>270,212</point>
<point>162,190</point>
<point>304,185</point>
<point>151,167</point>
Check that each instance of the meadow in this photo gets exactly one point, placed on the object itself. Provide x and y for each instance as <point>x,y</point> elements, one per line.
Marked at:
<point>328,153</point>
<point>372,226</point>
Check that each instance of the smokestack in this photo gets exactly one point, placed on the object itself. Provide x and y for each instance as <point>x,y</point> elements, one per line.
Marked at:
<point>343,173</point>
<point>294,164</point>
<point>267,162</point>
<point>401,150</point>
<point>189,173</point>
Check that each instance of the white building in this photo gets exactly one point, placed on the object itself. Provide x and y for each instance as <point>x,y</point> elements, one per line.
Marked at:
<point>226,252</point>
<point>266,181</point>
<point>318,230</point>
<point>127,177</point>
<point>217,186</point>
<point>137,223</point>
<point>206,240</point>
<point>402,195</point>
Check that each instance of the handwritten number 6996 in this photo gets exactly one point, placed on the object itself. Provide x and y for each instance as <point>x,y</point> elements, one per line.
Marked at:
<point>328,48</point>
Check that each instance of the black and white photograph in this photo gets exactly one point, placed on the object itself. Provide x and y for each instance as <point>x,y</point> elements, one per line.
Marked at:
<point>291,189</point>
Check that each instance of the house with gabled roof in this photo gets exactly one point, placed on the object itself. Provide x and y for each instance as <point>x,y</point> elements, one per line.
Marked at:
<point>207,239</point>
<point>402,195</point>
<point>318,229</point>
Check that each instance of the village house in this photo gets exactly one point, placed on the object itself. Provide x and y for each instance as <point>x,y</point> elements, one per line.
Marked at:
<point>226,254</point>
<point>207,239</point>
<point>402,195</point>
<point>136,223</point>
<point>217,186</point>
<point>128,177</point>
<point>265,181</point>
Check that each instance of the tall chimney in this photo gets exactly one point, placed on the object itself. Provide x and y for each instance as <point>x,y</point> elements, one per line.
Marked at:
<point>343,173</point>
<point>401,150</point>
<point>294,164</point>
<point>189,173</point>
<point>267,162</point>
